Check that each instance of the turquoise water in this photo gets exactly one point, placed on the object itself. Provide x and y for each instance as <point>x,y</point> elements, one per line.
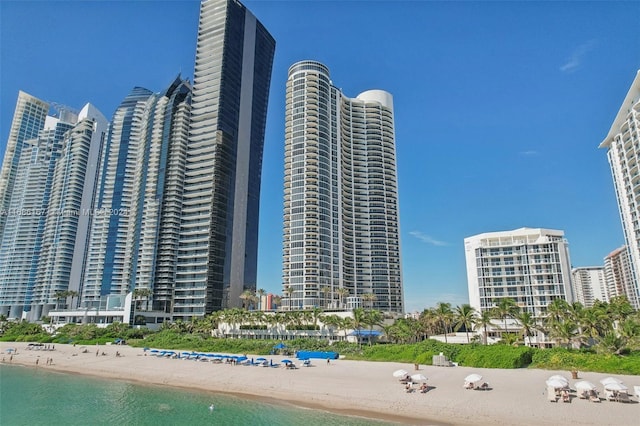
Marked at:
<point>37,397</point>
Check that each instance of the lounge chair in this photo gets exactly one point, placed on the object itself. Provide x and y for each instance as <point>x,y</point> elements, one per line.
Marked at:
<point>424,388</point>
<point>593,396</point>
<point>609,395</point>
<point>551,394</point>
<point>468,385</point>
<point>565,396</point>
<point>623,397</point>
<point>636,390</point>
<point>483,386</point>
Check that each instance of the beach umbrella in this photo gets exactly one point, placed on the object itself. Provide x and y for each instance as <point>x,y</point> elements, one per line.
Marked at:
<point>418,378</point>
<point>559,377</point>
<point>472,378</point>
<point>608,380</point>
<point>584,385</point>
<point>286,361</point>
<point>400,373</point>
<point>261,359</point>
<point>556,384</point>
<point>613,386</point>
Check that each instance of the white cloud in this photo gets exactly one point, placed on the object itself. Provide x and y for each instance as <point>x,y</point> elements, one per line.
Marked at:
<point>529,153</point>
<point>428,239</point>
<point>575,60</point>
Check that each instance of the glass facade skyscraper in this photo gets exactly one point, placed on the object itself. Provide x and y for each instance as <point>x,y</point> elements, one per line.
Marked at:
<point>28,120</point>
<point>69,214</point>
<point>217,254</point>
<point>135,223</point>
<point>25,219</point>
<point>341,223</point>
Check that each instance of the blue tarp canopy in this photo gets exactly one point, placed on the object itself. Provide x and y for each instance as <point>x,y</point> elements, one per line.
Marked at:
<point>367,333</point>
<point>280,346</point>
<point>320,355</point>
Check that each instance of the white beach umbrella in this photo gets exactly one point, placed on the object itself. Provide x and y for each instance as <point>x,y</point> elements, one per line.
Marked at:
<point>559,377</point>
<point>556,384</point>
<point>610,380</point>
<point>418,378</point>
<point>400,373</point>
<point>613,386</point>
<point>472,378</point>
<point>584,385</point>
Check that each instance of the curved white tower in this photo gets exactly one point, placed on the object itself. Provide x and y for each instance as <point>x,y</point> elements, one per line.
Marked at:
<point>341,231</point>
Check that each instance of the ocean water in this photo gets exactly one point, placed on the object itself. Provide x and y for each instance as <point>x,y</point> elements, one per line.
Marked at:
<point>33,397</point>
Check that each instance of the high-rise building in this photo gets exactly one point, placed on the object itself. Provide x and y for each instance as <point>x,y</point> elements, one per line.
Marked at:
<point>69,213</point>
<point>528,265</point>
<point>25,219</point>
<point>217,254</point>
<point>623,151</point>
<point>111,249</point>
<point>161,205</point>
<point>136,221</point>
<point>28,120</point>
<point>589,285</point>
<point>341,231</point>
<point>618,275</point>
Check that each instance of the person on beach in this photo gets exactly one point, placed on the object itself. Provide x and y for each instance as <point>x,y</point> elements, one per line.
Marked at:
<point>328,361</point>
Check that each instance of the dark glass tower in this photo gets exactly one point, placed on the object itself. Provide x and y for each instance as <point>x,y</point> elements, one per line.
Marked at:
<point>217,255</point>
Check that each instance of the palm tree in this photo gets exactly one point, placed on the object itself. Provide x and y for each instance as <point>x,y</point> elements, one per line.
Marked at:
<point>372,318</point>
<point>59,295</point>
<point>506,307</point>
<point>261,292</point>
<point>369,298</point>
<point>247,297</point>
<point>141,293</point>
<point>325,289</point>
<point>73,294</point>
<point>316,315</point>
<point>528,324</point>
<point>444,314</point>
<point>484,320</point>
<point>289,290</point>
<point>465,316</point>
<point>358,321</point>
<point>277,300</point>
<point>342,293</point>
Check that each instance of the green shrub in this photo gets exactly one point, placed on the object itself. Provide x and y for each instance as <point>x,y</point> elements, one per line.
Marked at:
<point>567,359</point>
<point>495,356</point>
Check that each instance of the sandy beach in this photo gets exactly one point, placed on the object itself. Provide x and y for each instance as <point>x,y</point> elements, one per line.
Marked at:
<point>351,387</point>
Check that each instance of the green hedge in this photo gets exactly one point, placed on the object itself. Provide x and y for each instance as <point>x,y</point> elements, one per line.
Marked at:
<point>566,359</point>
<point>495,356</point>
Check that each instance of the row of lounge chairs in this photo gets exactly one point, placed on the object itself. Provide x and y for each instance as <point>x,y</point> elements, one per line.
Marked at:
<point>555,395</point>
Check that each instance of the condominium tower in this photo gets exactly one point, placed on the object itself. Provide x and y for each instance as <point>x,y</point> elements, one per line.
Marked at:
<point>218,245</point>
<point>623,151</point>
<point>69,214</point>
<point>589,285</point>
<point>28,120</point>
<point>341,242</point>
<point>618,274</point>
<point>528,265</point>
<point>135,226</point>
<point>25,219</point>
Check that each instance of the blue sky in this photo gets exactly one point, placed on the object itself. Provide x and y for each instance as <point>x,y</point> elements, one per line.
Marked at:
<point>499,106</point>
